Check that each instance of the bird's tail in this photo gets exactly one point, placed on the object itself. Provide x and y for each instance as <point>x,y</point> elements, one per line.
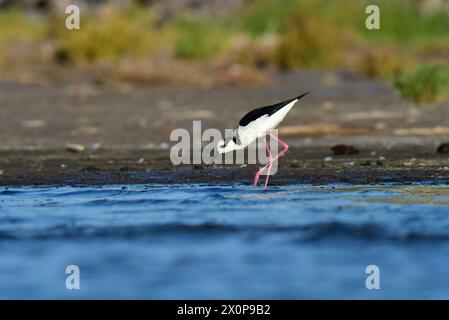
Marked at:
<point>300,96</point>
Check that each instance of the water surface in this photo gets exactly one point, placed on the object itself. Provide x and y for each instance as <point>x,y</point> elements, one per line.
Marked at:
<point>231,241</point>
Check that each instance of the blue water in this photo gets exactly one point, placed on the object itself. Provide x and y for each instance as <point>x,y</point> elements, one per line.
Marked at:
<point>213,242</point>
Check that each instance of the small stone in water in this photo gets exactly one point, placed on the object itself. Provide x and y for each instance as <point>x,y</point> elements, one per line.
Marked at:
<point>443,148</point>
<point>149,146</point>
<point>342,149</point>
<point>72,147</point>
<point>328,159</point>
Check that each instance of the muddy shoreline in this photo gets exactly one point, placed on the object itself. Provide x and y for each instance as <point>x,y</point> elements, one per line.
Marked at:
<point>299,165</point>
<point>126,132</point>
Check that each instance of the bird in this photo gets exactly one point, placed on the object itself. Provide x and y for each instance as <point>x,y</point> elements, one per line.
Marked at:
<point>256,124</point>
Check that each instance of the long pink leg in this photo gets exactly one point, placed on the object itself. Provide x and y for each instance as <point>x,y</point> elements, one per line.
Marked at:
<point>276,157</point>
<point>270,163</point>
<point>282,143</point>
<point>256,177</point>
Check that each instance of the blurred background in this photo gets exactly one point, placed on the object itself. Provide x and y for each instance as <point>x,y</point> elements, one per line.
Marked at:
<point>193,59</point>
<point>218,42</point>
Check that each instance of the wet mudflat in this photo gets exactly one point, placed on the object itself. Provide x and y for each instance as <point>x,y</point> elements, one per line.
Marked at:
<point>125,132</point>
<point>299,165</point>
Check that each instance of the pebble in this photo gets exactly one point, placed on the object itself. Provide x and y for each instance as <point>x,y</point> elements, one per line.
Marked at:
<point>141,160</point>
<point>342,149</point>
<point>72,147</point>
<point>149,146</point>
<point>1,172</point>
<point>328,159</point>
<point>443,148</point>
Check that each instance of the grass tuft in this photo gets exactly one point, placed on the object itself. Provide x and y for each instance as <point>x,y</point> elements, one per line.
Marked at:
<point>382,62</point>
<point>108,36</point>
<point>428,83</point>
<point>309,41</point>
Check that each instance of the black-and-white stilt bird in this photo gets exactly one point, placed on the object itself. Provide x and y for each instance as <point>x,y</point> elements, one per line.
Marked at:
<point>257,124</point>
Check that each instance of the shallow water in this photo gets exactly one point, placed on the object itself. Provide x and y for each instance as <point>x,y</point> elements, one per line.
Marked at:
<point>199,241</point>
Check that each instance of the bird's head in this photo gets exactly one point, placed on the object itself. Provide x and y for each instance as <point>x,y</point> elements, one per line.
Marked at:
<point>227,145</point>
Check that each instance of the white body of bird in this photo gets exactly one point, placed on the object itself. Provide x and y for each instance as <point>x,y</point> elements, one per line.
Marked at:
<point>258,128</point>
<point>255,125</point>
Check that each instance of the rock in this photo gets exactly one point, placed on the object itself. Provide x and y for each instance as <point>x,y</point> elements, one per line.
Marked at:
<point>369,163</point>
<point>443,148</point>
<point>90,169</point>
<point>1,172</point>
<point>150,145</point>
<point>72,147</point>
<point>328,159</point>
<point>342,149</point>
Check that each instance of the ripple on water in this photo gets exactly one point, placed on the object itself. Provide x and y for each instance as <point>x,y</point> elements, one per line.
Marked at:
<point>289,235</point>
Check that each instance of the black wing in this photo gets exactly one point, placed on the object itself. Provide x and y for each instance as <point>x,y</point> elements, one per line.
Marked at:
<point>268,110</point>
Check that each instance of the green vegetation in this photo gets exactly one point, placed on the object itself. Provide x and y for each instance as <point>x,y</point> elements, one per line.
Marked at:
<point>382,62</point>
<point>266,16</point>
<point>309,41</point>
<point>200,39</point>
<point>17,26</point>
<point>402,21</point>
<point>291,34</point>
<point>428,83</point>
<point>108,36</point>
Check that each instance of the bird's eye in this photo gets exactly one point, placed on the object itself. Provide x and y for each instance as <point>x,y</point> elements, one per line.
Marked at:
<point>235,140</point>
